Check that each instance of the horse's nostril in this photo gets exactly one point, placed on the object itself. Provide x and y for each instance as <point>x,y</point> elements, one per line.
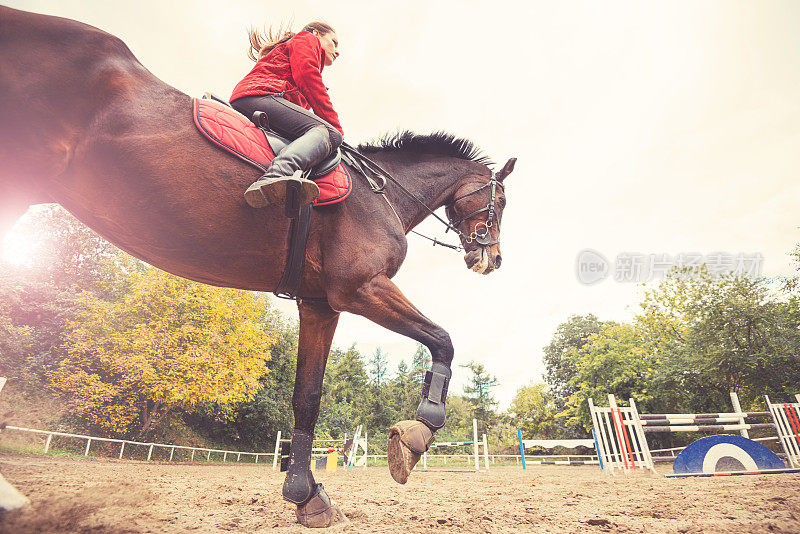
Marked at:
<point>497,260</point>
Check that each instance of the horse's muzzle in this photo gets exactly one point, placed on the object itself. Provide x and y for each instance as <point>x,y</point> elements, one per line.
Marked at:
<point>483,260</point>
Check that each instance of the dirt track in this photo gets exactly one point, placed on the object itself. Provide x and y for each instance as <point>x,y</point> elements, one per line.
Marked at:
<point>86,495</point>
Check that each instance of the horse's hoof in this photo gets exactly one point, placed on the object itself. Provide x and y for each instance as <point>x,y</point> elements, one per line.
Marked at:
<point>408,440</point>
<point>320,511</point>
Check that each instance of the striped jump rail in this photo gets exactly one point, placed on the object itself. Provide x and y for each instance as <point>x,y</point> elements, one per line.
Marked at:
<point>704,417</point>
<point>702,428</point>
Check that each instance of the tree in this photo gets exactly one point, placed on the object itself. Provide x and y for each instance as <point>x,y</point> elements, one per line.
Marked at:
<point>345,392</point>
<point>569,338</point>
<point>345,375</point>
<point>70,255</point>
<point>255,423</point>
<point>169,344</point>
<point>405,392</point>
<point>560,367</point>
<point>378,366</point>
<point>532,410</point>
<point>712,335</point>
<point>40,298</point>
<point>380,410</point>
<point>478,391</point>
<point>34,317</point>
<point>615,361</point>
<point>420,364</point>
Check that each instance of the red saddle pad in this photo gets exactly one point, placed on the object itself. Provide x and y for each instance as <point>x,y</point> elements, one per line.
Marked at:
<point>232,131</point>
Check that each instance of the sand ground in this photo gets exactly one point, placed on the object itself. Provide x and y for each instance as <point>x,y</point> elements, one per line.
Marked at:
<point>99,495</point>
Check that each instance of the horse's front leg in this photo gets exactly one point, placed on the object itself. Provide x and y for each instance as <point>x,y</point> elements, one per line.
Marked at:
<point>317,326</point>
<point>381,301</point>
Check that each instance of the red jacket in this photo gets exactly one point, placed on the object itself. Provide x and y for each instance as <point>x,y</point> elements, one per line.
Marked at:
<point>294,67</point>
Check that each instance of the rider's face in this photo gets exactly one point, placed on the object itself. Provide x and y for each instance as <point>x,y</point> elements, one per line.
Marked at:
<point>330,44</point>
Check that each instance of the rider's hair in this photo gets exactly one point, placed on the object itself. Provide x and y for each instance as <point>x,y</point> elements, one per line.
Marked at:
<point>261,44</point>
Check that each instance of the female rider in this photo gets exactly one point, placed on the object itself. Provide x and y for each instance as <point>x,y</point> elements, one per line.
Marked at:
<point>286,83</point>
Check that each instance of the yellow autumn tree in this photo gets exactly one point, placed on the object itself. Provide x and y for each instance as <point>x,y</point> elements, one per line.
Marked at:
<point>167,345</point>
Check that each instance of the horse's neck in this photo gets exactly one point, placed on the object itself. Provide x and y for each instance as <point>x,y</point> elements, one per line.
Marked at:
<point>431,180</point>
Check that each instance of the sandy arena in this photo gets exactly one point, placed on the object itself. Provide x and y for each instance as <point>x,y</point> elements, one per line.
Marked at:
<point>92,495</point>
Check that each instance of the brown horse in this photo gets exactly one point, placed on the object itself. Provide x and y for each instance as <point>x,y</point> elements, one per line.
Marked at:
<point>84,124</point>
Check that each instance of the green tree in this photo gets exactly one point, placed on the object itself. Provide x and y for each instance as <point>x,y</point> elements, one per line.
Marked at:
<point>712,335</point>
<point>533,411</point>
<point>559,356</point>
<point>345,392</point>
<point>380,412</point>
<point>406,390</point>
<point>615,361</point>
<point>478,391</point>
<point>378,366</point>
<point>560,367</point>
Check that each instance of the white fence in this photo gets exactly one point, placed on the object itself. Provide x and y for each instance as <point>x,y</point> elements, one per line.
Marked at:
<point>151,447</point>
<point>207,455</point>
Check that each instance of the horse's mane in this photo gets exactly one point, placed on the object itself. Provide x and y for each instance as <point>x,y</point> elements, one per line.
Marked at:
<point>439,142</point>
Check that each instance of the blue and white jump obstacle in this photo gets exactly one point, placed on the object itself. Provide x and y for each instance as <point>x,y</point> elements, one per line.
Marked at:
<point>549,444</point>
<point>621,442</point>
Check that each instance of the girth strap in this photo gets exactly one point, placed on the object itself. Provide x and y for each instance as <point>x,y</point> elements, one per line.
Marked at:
<point>289,285</point>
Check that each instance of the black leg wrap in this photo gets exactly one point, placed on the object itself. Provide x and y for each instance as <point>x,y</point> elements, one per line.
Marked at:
<point>431,409</point>
<point>299,485</point>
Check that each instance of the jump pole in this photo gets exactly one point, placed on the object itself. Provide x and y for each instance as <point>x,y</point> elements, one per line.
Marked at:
<point>10,498</point>
<point>354,451</point>
<point>596,445</point>
<point>485,452</point>
<point>475,443</point>
<point>521,448</point>
<point>277,446</point>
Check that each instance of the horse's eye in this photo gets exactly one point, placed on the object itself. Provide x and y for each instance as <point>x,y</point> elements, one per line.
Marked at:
<point>501,202</point>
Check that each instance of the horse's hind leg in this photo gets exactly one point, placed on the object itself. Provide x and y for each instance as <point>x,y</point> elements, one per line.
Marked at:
<point>317,326</point>
<point>381,301</point>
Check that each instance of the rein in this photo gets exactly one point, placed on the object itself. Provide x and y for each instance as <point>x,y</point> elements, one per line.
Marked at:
<point>378,184</point>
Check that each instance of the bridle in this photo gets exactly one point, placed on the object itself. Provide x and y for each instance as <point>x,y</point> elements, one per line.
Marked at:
<point>479,235</point>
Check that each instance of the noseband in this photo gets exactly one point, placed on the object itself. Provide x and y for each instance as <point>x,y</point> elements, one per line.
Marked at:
<point>480,234</point>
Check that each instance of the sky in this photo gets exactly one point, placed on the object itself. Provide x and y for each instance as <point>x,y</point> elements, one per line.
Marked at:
<point>642,130</point>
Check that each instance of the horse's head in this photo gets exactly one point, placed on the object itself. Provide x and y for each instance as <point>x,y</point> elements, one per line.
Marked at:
<point>476,211</point>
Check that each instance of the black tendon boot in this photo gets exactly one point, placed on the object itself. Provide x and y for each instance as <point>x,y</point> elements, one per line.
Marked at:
<point>299,155</point>
<point>431,410</point>
<point>299,485</point>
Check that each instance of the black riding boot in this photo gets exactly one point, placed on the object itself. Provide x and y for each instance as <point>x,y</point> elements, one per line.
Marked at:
<point>299,155</point>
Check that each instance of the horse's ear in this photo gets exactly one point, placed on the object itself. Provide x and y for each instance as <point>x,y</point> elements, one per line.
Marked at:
<point>506,170</point>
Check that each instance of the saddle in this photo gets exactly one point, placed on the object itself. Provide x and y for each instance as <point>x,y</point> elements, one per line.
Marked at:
<point>258,145</point>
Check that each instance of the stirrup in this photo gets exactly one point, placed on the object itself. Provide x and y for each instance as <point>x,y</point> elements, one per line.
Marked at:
<point>275,190</point>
